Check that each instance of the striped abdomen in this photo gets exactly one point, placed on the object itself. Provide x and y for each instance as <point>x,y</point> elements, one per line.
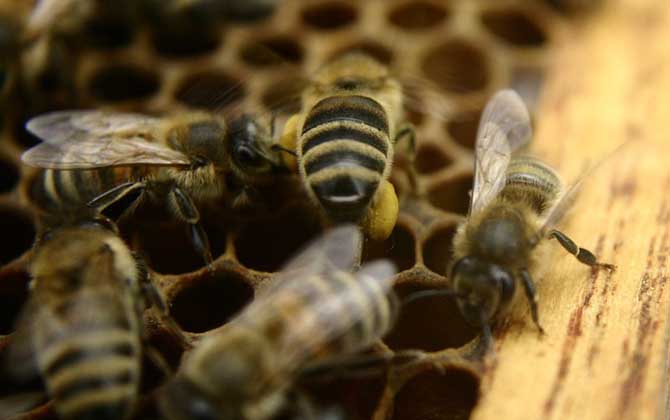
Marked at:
<point>59,190</point>
<point>330,316</point>
<point>533,182</point>
<point>91,369</point>
<point>344,152</point>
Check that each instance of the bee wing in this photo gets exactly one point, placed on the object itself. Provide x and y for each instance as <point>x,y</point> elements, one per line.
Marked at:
<point>563,205</point>
<point>503,129</point>
<point>559,209</point>
<point>316,304</point>
<point>319,310</point>
<point>94,139</point>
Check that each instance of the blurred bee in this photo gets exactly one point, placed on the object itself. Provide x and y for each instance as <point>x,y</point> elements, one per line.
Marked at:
<point>82,327</point>
<point>316,311</point>
<point>352,117</point>
<point>514,206</point>
<point>99,158</point>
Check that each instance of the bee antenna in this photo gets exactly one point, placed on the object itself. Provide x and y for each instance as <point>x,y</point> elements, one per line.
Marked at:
<point>431,293</point>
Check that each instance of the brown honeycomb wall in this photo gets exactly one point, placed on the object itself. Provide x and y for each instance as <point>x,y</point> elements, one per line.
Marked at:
<point>467,49</point>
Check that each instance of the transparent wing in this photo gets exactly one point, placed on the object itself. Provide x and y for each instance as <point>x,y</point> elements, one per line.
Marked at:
<point>76,125</point>
<point>503,129</point>
<point>559,209</point>
<point>94,139</point>
<point>317,298</point>
<point>312,313</point>
<point>570,193</point>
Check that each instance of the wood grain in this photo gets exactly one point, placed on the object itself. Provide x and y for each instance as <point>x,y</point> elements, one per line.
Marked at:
<point>606,352</point>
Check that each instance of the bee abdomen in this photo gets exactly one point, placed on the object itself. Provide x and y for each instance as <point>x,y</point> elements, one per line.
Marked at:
<point>531,181</point>
<point>345,150</point>
<point>364,310</point>
<point>56,190</point>
<point>94,374</point>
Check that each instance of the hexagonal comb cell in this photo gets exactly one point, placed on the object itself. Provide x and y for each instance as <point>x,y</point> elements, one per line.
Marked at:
<point>9,176</point>
<point>272,51</point>
<point>450,396</point>
<point>462,128</point>
<point>167,247</point>
<point>431,158</point>
<point>452,195</point>
<point>209,90</point>
<point>178,37</point>
<point>329,15</point>
<point>515,27</point>
<point>367,46</point>
<point>399,248</point>
<point>210,301</point>
<point>446,328</point>
<point>418,15</point>
<point>18,231</point>
<point>457,66</point>
<point>267,245</point>
<point>283,95</point>
<point>437,249</point>
<point>123,82</point>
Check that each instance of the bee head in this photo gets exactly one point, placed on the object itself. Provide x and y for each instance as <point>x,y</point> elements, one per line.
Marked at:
<point>222,377</point>
<point>482,288</point>
<point>247,138</point>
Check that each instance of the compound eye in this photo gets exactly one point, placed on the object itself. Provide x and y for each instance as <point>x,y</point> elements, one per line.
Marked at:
<point>199,162</point>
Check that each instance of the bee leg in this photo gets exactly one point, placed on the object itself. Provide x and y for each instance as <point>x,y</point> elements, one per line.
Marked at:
<point>188,212</point>
<point>583,255</point>
<point>158,360</point>
<point>406,131</point>
<point>154,298</point>
<point>111,196</point>
<point>531,295</point>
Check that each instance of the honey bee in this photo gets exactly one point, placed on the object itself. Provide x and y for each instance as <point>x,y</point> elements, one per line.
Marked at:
<point>514,206</point>
<point>344,137</point>
<point>82,326</point>
<point>316,311</point>
<point>99,158</point>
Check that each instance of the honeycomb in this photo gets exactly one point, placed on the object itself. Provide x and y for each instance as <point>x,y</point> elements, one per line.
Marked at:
<point>466,49</point>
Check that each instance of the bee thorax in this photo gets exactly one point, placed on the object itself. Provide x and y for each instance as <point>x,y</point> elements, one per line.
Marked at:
<point>501,240</point>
